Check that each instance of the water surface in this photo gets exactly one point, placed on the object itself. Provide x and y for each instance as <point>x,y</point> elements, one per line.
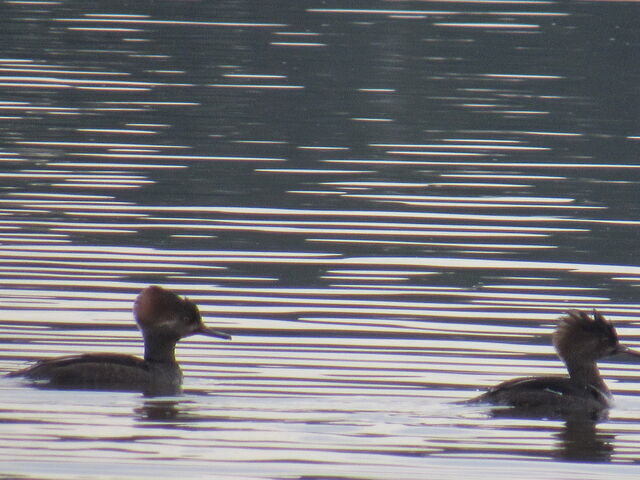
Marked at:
<point>387,206</point>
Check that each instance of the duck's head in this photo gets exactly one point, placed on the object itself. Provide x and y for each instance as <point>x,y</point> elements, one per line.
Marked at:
<point>162,313</point>
<point>588,338</point>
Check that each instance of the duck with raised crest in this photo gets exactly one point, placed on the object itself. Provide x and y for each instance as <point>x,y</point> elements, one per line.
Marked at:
<point>580,341</point>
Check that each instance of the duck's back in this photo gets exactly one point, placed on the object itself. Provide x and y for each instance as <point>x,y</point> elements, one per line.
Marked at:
<point>546,396</point>
<point>102,371</point>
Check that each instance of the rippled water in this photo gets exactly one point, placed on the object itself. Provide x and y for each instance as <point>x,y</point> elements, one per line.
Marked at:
<point>388,207</point>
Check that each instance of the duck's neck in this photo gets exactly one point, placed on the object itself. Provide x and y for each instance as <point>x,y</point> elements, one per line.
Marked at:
<point>586,374</point>
<point>159,348</point>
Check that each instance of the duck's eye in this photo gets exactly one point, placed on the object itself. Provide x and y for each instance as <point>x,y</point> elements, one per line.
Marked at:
<point>189,320</point>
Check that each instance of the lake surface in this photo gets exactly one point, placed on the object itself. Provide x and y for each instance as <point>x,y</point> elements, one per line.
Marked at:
<point>388,204</point>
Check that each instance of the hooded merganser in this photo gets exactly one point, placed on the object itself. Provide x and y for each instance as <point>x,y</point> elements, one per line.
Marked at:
<point>164,318</point>
<point>580,341</point>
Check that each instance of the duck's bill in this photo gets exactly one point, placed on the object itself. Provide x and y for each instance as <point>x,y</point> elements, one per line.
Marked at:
<point>623,349</point>
<point>213,333</point>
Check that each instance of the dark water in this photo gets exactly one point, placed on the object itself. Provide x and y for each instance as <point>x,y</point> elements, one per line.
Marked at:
<point>387,203</point>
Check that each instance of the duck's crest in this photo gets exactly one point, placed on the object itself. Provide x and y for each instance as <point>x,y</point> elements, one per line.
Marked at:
<point>577,324</point>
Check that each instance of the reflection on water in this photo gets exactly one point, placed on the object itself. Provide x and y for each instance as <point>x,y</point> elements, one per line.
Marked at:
<point>162,411</point>
<point>387,205</point>
<point>581,442</point>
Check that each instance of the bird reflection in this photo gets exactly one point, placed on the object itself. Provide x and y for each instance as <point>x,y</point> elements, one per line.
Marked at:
<point>580,441</point>
<point>159,410</point>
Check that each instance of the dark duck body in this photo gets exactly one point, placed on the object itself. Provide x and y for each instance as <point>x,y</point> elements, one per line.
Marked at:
<point>163,318</point>
<point>580,341</point>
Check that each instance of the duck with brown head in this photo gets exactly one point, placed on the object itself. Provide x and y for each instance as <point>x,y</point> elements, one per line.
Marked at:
<point>580,341</point>
<point>163,318</point>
